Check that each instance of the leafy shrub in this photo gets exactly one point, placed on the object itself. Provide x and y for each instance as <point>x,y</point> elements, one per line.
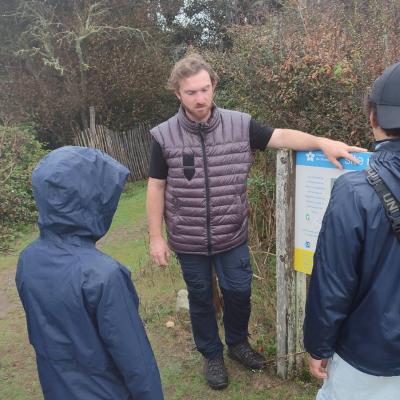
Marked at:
<point>308,69</point>
<point>19,153</point>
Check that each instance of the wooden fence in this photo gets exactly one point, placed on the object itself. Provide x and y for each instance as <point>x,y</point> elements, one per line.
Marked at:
<point>131,148</point>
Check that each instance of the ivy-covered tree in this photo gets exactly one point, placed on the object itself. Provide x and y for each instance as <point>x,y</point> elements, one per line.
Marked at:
<point>60,54</point>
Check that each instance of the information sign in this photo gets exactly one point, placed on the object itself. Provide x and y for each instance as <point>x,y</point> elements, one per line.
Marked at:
<point>315,176</point>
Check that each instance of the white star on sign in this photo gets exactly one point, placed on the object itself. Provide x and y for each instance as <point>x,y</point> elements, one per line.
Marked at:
<point>310,156</point>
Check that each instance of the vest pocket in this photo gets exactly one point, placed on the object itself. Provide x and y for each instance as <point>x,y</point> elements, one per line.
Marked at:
<point>188,166</point>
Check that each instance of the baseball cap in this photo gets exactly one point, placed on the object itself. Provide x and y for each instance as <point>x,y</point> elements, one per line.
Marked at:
<point>385,94</point>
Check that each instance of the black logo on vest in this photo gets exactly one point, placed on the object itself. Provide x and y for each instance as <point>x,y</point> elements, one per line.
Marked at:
<point>188,166</point>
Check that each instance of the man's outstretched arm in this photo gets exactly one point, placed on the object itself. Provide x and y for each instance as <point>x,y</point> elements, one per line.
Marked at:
<point>298,140</point>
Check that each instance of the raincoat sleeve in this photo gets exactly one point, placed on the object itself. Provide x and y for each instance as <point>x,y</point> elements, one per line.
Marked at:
<point>125,338</point>
<point>334,279</point>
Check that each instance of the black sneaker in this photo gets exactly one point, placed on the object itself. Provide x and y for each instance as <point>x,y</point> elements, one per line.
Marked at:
<point>243,353</point>
<point>215,373</point>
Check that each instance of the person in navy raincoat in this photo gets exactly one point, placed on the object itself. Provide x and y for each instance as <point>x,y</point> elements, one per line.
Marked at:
<point>81,306</point>
<point>352,319</point>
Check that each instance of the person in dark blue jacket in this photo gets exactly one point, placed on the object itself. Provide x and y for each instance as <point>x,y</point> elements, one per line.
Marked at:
<point>352,321</point>
<point>81,306</point>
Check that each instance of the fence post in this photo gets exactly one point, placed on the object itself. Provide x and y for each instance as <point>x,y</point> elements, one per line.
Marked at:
<point>92,120</point>
<point>291,285</point>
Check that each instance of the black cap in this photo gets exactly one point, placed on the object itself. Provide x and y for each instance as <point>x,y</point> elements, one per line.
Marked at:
<point>386,95</point>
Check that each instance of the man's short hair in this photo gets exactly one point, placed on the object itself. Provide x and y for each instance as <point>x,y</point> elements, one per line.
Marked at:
<point>189,66</point>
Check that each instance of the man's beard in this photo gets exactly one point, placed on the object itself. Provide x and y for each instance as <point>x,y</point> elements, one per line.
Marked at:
<point>198,113</point>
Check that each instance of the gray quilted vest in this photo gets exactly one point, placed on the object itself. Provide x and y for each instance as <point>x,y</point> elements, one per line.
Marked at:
<point>205,197</point>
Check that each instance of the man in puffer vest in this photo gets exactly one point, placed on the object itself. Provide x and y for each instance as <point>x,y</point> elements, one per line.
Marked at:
<point>200,160</point>
<point>352,320</point>
<point>81,306</point>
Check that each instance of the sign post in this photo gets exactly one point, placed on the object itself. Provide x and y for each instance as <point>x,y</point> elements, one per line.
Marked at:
<point>285,274</point>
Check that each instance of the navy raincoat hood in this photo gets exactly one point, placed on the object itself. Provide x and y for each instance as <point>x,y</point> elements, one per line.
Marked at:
<point>77,191</point>
<point>81,306</point>
<point>353,304</point>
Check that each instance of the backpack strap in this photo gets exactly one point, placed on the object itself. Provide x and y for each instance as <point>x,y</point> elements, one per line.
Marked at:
<point>390,204</point>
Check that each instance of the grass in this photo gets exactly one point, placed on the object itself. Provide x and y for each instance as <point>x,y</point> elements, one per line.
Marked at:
<point>180,364</point>
<point>18,376</point>
<point>126,240</point>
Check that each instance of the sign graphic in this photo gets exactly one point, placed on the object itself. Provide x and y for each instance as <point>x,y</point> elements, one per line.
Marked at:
<point>315,176</point>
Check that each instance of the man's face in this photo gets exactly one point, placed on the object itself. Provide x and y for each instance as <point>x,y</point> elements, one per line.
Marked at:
<point>196,94</point>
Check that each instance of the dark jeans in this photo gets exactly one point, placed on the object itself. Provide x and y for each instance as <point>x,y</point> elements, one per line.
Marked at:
<point>234,276</point>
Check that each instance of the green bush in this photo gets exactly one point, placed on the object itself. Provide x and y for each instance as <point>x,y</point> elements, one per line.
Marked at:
<point>307,69</point>
<point>310,70</point>
<point>19,153</point>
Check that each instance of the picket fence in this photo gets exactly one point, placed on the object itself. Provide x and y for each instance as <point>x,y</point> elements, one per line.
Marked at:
<point>131,148</point>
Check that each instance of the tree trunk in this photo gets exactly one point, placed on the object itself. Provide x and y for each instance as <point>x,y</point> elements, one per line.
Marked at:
<point>82,84</point>
<point>231,7</point>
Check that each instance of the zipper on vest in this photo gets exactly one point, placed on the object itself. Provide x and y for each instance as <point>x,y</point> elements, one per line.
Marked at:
<point>207,183</point>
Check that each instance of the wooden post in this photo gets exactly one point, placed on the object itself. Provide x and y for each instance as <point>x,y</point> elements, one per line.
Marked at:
<point>291,285</point>
<point>92,116</point>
